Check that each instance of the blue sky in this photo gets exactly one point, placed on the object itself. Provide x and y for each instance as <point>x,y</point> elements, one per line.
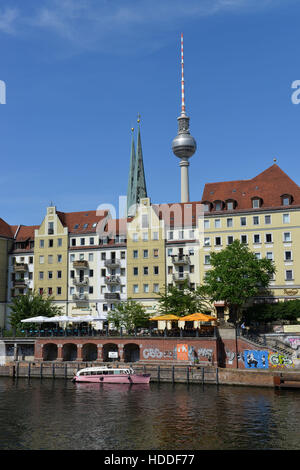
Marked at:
<point>77,73</point>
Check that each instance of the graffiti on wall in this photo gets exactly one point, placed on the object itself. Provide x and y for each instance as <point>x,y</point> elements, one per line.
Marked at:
<point>280,360</point>
<point>293,341</point>
<point>254,359</point>
<point>156,353</point>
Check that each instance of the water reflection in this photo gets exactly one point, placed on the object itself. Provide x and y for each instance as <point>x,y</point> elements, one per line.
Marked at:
<point>58,414</point>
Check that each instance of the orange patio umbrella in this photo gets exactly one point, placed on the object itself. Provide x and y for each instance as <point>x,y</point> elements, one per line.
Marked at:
<point>165,318</point>
<point>198,317</point>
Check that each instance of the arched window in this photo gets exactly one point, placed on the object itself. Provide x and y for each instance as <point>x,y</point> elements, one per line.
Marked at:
<point>256,202</point>
<point>219,205</point>
<point>230,204</point>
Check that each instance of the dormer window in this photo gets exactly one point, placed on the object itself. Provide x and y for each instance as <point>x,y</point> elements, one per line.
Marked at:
<point>218,205</point>
<point>286,200</point>
<point>230,204</point>
<point>206,206</point>
<point>256,202</point>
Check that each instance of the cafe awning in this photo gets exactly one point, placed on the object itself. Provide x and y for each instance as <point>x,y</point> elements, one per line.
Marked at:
<point>35,320</point>
<point>198,317</point>
<point>169,317</point>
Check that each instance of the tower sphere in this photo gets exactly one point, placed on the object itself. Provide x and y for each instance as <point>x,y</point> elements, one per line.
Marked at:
<point>184,145</point>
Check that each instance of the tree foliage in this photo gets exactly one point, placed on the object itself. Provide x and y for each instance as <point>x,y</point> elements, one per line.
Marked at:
<point>128,314</point>
<point>31,304</point>
<point>237,276</point>
<point>265,313</point>
<point>182,301</point>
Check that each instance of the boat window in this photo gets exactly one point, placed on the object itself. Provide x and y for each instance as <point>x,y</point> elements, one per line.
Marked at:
<point>118,371</point>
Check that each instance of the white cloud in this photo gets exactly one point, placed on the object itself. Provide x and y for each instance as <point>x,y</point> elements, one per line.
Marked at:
<point>113,24</point>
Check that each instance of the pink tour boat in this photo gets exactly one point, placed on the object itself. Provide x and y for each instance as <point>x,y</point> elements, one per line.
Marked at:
<point>110,375</point>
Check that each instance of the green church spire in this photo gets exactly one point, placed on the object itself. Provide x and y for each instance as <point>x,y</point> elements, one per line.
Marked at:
<point>137,183</point>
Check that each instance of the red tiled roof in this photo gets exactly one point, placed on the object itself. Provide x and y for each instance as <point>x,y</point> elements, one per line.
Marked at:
<point>26,232</point>
<point>5,229</point>
<point>84,221</point>
<point>269,185</point>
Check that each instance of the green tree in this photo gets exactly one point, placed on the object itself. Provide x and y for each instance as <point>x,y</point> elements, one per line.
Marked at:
<point>129,315</point>
<point>236,277</point>
<point>281,311</point>
<point>31,304</point>
<point>182,301</point>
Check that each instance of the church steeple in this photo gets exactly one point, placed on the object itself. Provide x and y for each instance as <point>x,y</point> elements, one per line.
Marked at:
<point>137,182</point>
<point>130,193</point>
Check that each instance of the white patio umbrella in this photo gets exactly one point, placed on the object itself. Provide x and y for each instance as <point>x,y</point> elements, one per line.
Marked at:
<point>35,320</point>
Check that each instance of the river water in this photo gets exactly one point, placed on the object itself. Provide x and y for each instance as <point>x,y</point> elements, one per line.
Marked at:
<point>57,414</point>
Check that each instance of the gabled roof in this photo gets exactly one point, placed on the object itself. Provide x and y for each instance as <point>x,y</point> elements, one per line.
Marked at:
<point>26,232</point>
<point>269,185</point>
<point>81,222</point>
<point>6,230</point>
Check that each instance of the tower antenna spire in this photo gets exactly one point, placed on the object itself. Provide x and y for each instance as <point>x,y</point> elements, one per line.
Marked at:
<point>182,80</point>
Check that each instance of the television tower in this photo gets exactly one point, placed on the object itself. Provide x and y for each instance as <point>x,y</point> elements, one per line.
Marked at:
<point>184,145</point>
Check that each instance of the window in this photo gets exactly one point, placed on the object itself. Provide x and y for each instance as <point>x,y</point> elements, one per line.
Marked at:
<point>91,273</point>
<point>170,251</point>
<point>269,255</point>
<point>218,241</point>
<point>269,238</point>
<point>42,243</point>
<point>243,221</point>
<point>287,237</point>
<point>206,241</point>
<point>256,238</point>
<point>145,223</point>
<point>50,259</point>
<point>103,256</point>
<point>103,272</point>
<point>50,228</point>
<point>91,240</point>
<point>267,219</point>
<point>135,271</point>
<point>41,259</point>
<point>50,243</point>
<point>287,256</point>
<point>289,275</point>
<point>58,274</point>
<point>181,234</point>
<point>135,237</point>
<point>49,290</point>
<point>257,255</point>
<point>81,257</point>
<point>105,307</point>
<point>218,206</point>
<point>145,270</point>
<point>170,269</point>
<point>30,259</point>
<point>91,257</point>
<point>155,236</point>
<point>73,241</point>
<point>255,203</point>
<point>145,236</point>
<point>72,290</point>
<point>229,222</point>
<point>286,200</point>
<point>58,290</point>
<point>155,288</point>
<point>155,269</point>
<point>230,205</point>
<point>145,253</point>
<point>135,288</point>
<point>72,258</point>
<point>207,259</point>
<point>217,223</point>
<point>146,288</point>
<point>123,254</point>
<point>170,235</point>
<point>59,242</point>
<point>206,224</point>
<point>82,241</point>
<point>59,258</point>
<point>155,253</point>
<point>72,274</point>
<point>286,218</point>
<point>41,275</point>
<point>191,252</point>
<point>135,253</point>
<point>91,289</point>
<point>41,291</point>
<point>255,220</point>
<point>192,269</point>
<point>229,240</point>
<point>244,239</point>
<point>50,275</point>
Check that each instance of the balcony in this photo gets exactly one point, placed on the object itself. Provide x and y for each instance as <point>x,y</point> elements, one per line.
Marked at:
<point>112,296</point>
<point>19,283</point>
<point>181,277</point>
<point>80,297</point>
<point>20,267</point>
<point>79,264</point>
<point>112,263</point>
<point>81,282</point>
<point>112,280</point>
<point>180,260</point>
